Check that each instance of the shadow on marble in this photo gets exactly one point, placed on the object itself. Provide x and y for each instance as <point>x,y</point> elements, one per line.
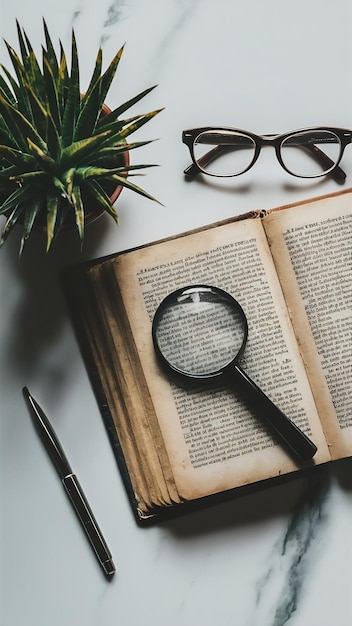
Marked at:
<point>269,503</point>
<point>38,311</point>
<point>233,185</point>
<point>342,471</point>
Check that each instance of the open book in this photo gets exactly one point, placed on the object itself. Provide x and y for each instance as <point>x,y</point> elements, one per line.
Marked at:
<point>177,443</point>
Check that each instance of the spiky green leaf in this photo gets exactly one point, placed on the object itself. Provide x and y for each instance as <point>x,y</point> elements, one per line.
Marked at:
<point>19,196</point>
<point>131,128</point>
<point>16,62</point>
<point>92,102</point>
<point>6,176</point>
<point>76,199</point>
<point>52,138</point>
<point>109,75</point>
<point>10,222</point>
<point>52,204</point>
<point>101,198</point>
<point>63,81</point>
<point>23,48</point>
<point>68,179</point>
<point>32,178</point>
<point>43,159</point>
<point>95,76</point>
<point>72,103</point>
<point>23,161</point>
<point>31,211</point>
<point>61,188</point>
<point>79,150</point>
<point>39,115</point>
<point>52,94</point>
<point>110,154</point>
<point>19,126</point>
<point>49,54</point>
<point>34,75</point>
<point>116,126</point>
<point>113,115</point>
<point>5,89</point>
<point>20,100</point>
<point>126,183</point>
<point>83,173</point>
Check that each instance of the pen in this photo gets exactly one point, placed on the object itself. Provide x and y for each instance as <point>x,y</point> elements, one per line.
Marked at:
<point>71,484</point>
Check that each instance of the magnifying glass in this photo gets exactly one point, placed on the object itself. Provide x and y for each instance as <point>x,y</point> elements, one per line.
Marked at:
<point>200,332</point>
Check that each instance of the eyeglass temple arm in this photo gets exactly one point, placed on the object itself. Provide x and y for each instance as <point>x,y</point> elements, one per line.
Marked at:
<point>207,158</point>
<point>337,174</point>
<point>319,155</point>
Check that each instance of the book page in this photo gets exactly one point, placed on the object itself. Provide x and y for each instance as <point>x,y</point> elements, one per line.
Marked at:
<point>213,441</point>
<point>312,248</point>
<point>128,399</point>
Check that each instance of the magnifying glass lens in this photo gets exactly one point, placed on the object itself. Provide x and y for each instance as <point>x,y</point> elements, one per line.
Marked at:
<point>199,331</point>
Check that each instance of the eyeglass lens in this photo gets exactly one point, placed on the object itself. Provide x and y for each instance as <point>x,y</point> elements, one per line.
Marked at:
<point>300,152</point>
<point>229,152</point>
<point>223,152</point>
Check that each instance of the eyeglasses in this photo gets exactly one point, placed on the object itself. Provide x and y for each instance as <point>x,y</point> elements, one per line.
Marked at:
<point>306,153</point>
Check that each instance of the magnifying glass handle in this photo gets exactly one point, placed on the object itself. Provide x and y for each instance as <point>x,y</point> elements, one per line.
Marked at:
<point>283,426</point>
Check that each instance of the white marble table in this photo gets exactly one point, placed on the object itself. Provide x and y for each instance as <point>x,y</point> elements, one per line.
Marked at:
<point>279,557</point>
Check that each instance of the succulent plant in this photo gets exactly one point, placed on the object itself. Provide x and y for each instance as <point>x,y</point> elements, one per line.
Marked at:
<point>58,150</point>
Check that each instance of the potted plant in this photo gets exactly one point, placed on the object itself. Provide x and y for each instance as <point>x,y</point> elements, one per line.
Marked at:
<point>63,154</point>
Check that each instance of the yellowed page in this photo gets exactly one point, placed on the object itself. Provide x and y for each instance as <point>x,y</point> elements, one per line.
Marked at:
<point>212,440</point>
<point>312,249</point>
<point>116,360</point>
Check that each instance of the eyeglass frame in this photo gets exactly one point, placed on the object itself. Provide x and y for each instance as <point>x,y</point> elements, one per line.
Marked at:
<point>344,135</point>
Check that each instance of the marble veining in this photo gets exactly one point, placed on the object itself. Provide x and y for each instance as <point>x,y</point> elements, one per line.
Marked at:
<point>115,13</point>
<point>183,11</point>
<point>272,559</point>
<point>279,589</point>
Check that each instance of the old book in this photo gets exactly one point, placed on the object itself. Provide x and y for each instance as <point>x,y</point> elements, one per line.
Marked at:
<point>181,443</point>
